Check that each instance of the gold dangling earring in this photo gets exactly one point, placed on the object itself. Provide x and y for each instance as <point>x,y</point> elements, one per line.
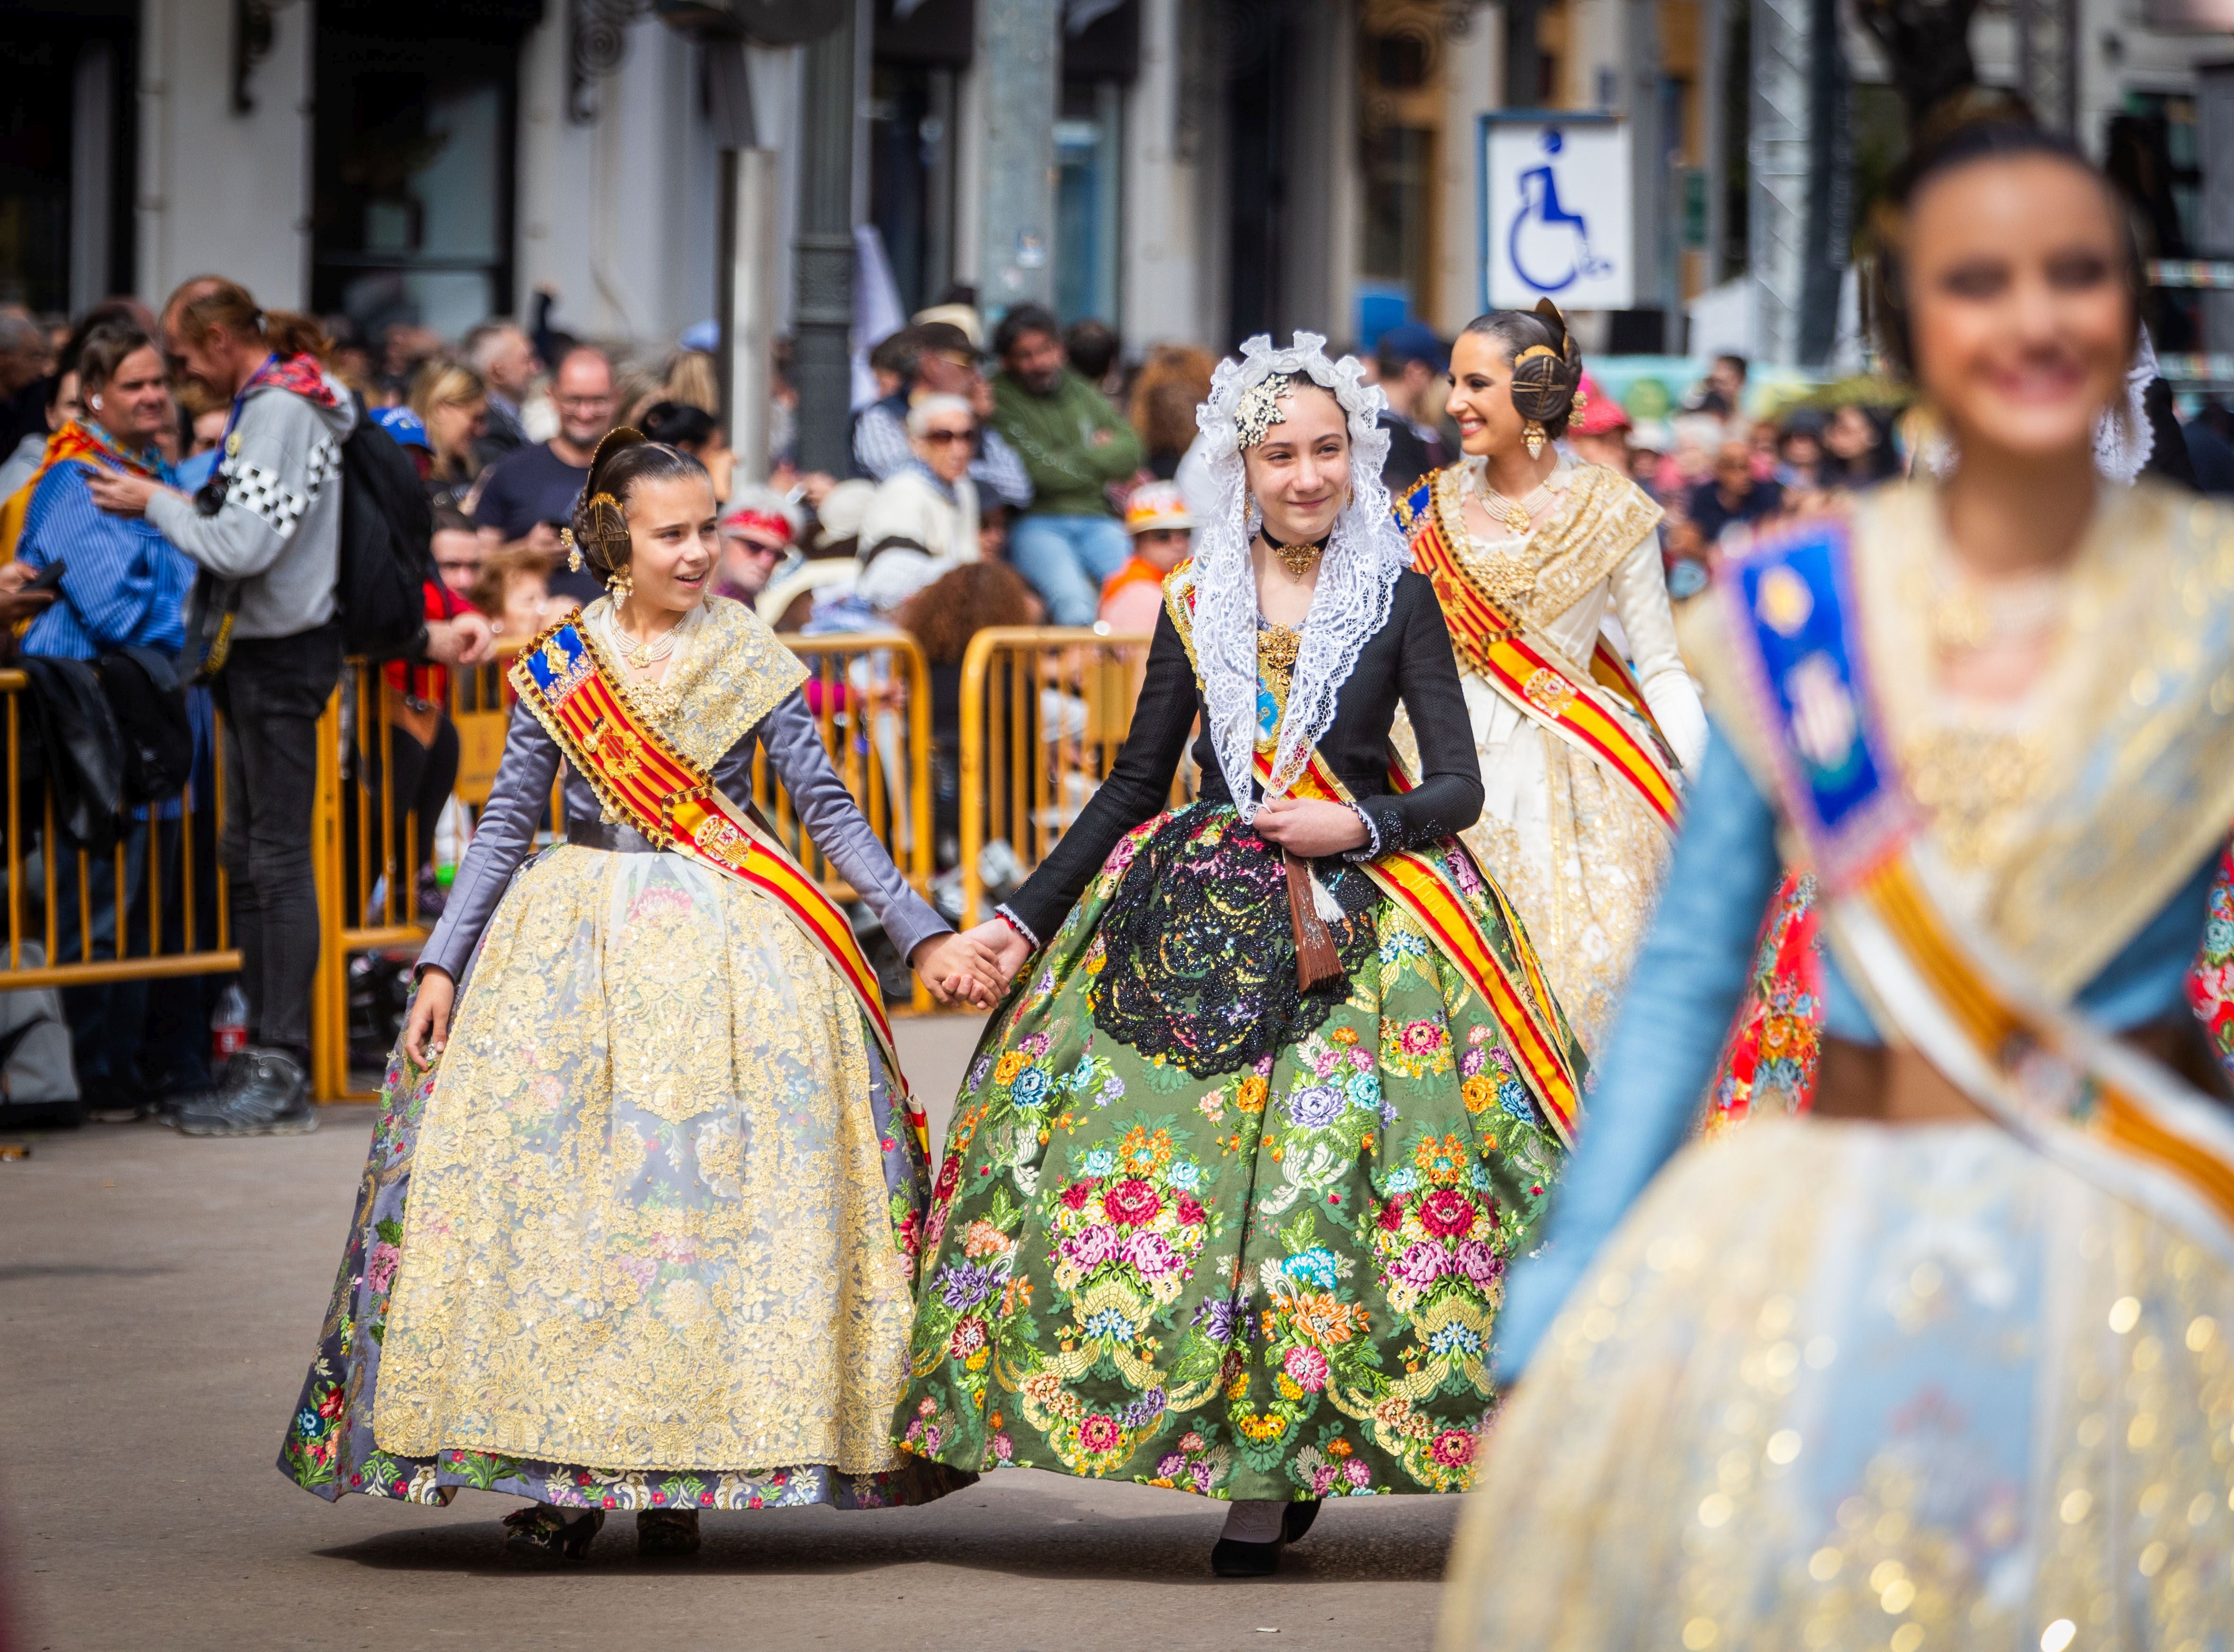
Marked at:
<point>1532,437</point>
<point>574,551</point>
<point>620,584</point>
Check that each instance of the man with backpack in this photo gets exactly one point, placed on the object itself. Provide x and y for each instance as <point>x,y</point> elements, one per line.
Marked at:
<point>266,532</point>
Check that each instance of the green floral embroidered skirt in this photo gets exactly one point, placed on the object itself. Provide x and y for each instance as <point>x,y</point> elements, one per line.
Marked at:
<point>1198,1230</point>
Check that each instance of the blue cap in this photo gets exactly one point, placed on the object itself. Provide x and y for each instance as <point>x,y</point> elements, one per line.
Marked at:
<point>404,425</point>
<point>1413,341</point>
<point>701,335</point>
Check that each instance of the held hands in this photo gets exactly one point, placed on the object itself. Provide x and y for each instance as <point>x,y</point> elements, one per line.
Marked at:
<point>958,968</point>
<point>997,953</point>
<point>1309,828</point>
<point>429,1028</point>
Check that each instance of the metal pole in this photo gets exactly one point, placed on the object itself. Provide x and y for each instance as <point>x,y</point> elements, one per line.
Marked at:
<point>1779,151</point>
<point>822,291</point>
<point>1524,58</point>
<point>1023,69</point>
<point>750,225</point>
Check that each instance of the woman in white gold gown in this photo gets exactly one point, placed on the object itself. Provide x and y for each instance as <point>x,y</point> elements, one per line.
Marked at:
<point>1532,554</point>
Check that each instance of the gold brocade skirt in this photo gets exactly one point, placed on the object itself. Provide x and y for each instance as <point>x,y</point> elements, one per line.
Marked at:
<point>650,1224</point>
<point>1579,853</point>
<point>1581,860</point>
<point>1849,1385</point>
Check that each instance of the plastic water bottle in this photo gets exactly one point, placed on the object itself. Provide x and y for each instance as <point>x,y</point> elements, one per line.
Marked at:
<point>228,1025</point>
<point>448,831</point>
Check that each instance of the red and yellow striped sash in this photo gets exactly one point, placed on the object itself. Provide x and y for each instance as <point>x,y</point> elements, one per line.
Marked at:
<point>1545,687</point>
<point>1523,1007</point>
<point>676,805</point>
<point>2005,1032</point>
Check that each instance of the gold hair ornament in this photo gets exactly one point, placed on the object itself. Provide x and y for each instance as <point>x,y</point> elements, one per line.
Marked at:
<point>1533,433</point>
<point>1258,410</point>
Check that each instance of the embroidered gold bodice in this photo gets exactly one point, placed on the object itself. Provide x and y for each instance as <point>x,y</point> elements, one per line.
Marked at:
<point>1597,517</point>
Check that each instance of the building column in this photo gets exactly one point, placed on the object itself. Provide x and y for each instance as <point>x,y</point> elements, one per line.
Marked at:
<point>822,250</point>
<point>1020,66</point>
<point>1777,215</point>
<point>1799,209</point>
<point>2214,120</point>
<point>221,190</point>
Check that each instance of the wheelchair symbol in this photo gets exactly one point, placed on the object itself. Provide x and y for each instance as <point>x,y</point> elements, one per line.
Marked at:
<point>1550,246</point>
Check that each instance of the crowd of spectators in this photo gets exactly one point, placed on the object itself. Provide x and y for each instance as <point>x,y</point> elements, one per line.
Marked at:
<point>168,479</point>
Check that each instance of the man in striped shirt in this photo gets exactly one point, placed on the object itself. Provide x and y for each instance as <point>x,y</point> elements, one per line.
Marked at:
<point>124,583</point>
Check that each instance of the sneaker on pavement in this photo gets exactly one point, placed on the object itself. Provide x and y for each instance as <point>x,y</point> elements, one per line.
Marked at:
<point>264,1092</point>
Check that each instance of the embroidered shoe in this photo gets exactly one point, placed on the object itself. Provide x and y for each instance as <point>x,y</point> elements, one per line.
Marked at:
<point>540,1535</point>
<point>666,1534</point>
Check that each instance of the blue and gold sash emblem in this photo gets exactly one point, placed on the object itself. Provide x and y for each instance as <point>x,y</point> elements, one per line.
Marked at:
<point>1799,630</point>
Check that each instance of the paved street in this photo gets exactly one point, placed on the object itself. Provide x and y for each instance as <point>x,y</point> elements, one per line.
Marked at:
<point>159,1298</point>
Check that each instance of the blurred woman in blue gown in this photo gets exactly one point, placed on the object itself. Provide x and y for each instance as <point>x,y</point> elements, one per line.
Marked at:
<point>1943,1363</point>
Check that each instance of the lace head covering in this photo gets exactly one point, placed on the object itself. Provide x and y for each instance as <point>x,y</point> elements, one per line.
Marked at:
<point>2125,440</point>
<point>1357,576</point>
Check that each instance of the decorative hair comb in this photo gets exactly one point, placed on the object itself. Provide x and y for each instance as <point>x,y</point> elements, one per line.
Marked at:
<point>1258,410</point>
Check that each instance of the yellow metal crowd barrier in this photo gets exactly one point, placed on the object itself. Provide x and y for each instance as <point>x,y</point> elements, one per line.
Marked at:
<point>59,926</point>
<point>73,918</point>
<point>1044,711</point>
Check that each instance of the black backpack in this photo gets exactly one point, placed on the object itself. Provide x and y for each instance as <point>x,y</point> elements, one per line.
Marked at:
<point>387,556</point>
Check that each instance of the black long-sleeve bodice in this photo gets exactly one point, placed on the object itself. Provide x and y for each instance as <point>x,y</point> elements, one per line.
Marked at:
<point>1408,661</point>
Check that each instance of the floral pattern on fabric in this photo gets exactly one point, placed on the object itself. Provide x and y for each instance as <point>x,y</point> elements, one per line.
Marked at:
<point>2211,983</point>
<point>1279,1282</point>
<point>329,1447</point>
<point>1776,1041</point>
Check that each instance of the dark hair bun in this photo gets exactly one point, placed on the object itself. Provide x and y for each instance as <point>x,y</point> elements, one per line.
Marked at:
<point>625,457</point>
<point>600,523</point>
<point>1546,376</point>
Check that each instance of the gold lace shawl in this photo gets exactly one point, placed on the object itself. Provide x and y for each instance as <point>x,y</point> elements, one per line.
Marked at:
<point>731,675</point>
<point>1596,521</point>
<point>2135,787</point>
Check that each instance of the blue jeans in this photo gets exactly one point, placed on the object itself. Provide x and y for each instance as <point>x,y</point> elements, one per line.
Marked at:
<point>1065,558</point>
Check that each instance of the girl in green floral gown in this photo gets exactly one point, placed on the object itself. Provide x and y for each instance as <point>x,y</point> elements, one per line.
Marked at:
<point>1199,1225</point>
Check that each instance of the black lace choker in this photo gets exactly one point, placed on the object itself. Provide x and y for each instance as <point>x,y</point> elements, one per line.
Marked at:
<point>1319,544</point>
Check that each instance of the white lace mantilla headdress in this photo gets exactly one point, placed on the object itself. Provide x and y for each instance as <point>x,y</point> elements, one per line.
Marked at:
<point>1357,576</point>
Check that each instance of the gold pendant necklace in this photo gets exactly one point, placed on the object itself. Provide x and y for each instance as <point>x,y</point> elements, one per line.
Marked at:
<point>641,657</point>
<point>1299,559</point>
<point>1511,512</point>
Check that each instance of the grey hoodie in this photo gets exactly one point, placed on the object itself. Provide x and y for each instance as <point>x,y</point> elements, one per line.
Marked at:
<point>279,530</point>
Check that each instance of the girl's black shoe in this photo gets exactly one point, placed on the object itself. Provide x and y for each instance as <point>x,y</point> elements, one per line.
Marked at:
<point>540,1535</point>
<point>666,1534</point>
<point>1230,1558</point>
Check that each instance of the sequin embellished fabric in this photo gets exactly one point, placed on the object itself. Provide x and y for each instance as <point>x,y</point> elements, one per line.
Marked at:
<point>653,1224</point>
<point>1845,1385</point>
